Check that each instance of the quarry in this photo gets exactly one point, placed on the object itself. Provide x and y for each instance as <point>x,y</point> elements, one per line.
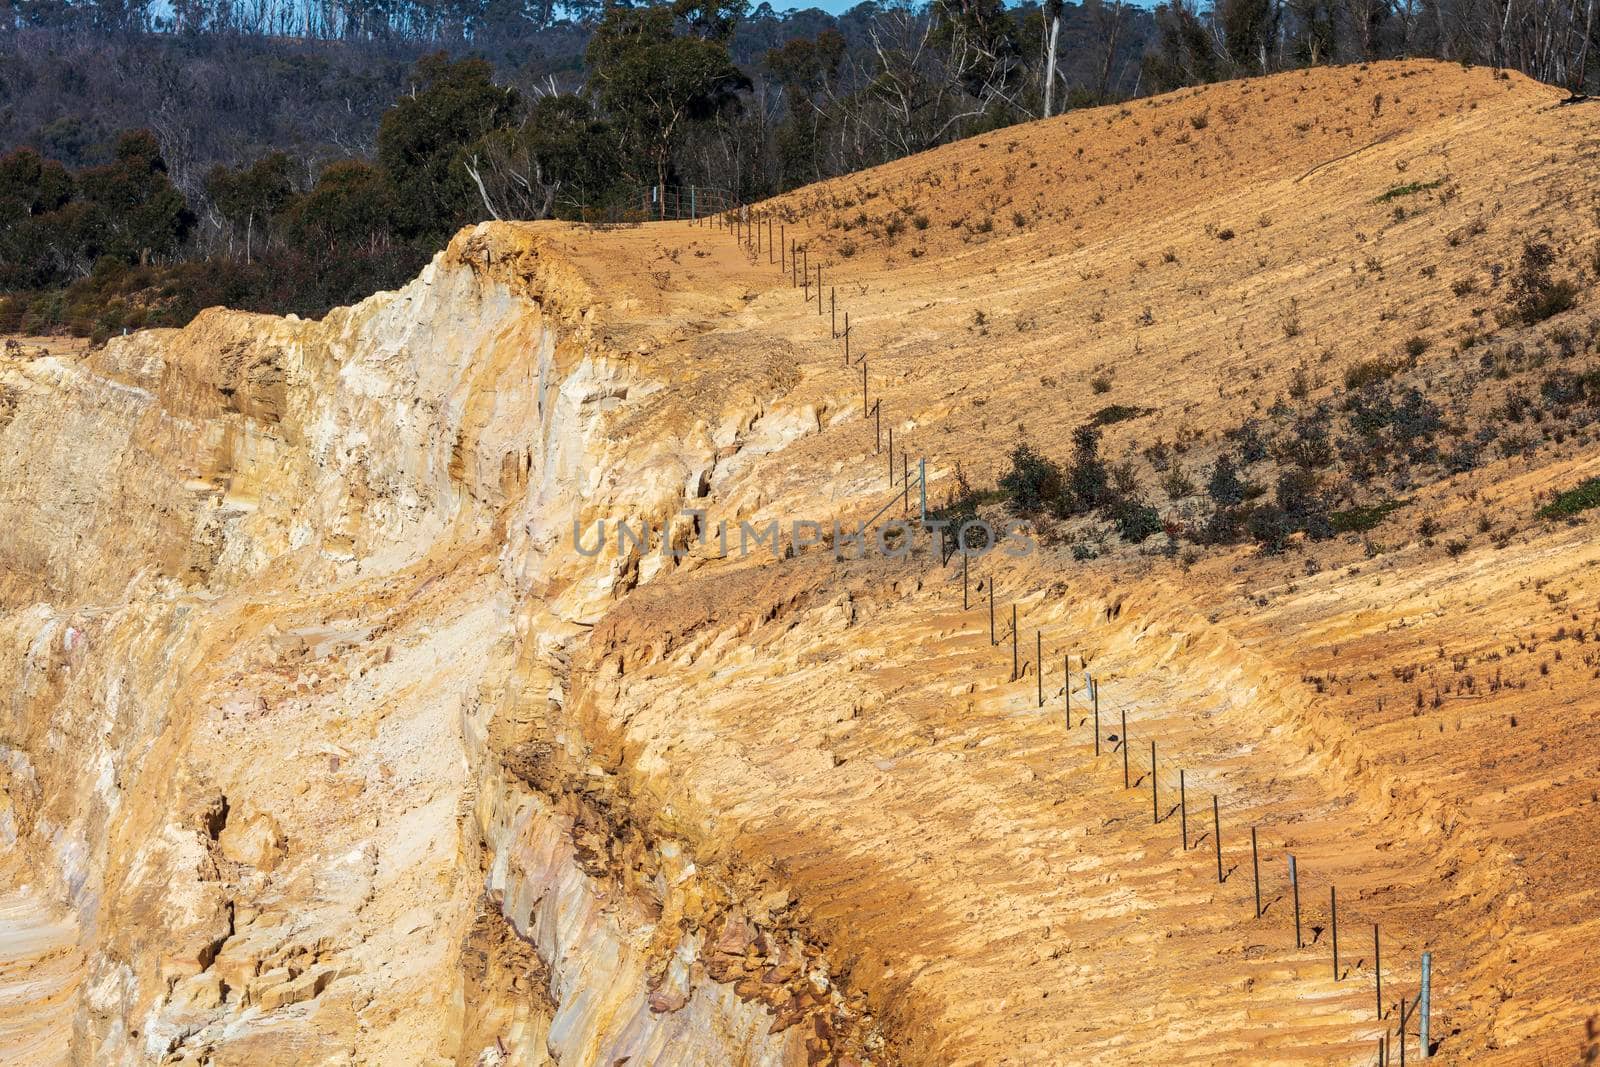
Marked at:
<point>335,735</point>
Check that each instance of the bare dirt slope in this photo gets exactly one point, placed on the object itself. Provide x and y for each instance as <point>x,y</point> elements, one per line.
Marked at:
<point>778,810</point>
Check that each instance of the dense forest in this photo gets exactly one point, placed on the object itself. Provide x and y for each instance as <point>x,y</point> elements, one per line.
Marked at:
<point>291,155</point>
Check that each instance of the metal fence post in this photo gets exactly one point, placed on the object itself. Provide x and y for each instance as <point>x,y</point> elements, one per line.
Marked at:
<point>1094,694</point>
<point>1255,862</point>
<point>1333,926</point>
<point>1183,809</point>
<point>1216,833</point>
<point>1294,883</point>
<point>1066,686</point>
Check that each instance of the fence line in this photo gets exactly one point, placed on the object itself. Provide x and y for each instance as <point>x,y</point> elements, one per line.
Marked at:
<point>737,219</point>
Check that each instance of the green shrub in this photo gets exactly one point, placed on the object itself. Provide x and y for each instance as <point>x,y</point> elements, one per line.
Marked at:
<point>1585,496</point>
<point>1407,190</point>
<point>1362,519</point>
<point>1135,519</point>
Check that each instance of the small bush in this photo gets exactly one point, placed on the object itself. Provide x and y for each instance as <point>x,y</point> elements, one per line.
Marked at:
<point>1100,383</point>
<point>1225,488</point>
<point>1033,483</point>
<point>1177,483</point>
<point>1535,294</point>
<point>1117,413</point>
<point>1088,480</point>
<point>1367,371</point>
<point>1135,519</point>
<point>1271,527</point>
<point>1249,441</point>
<point>1225,234</point>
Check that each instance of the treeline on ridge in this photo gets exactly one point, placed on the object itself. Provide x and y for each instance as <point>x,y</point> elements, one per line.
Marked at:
<point>289,158</point>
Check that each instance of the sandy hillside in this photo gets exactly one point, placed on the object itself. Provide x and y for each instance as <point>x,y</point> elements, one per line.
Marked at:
<point>331,745</point>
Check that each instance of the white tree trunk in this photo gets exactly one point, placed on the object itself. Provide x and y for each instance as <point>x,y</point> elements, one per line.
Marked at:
<point>1050,69</point>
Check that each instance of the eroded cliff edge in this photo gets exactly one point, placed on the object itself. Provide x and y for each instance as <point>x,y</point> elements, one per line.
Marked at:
<point>288,608</point>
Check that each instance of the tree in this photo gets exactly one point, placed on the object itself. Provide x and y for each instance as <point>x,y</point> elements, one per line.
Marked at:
<point>805,68</point>
<point>31,185</point>
<point>657,82</point>
<point>424,144</point>
<point>249,194</point>
<point>34,230</point>
<point>980,37</point>
<point>1314,32</point>
<point>349,208</point>
<point>134,211</point>
<point>1110,19</point>
<point>563,148</point>
<point>1052,16</point>
<point>1247,26</point>
<point>1182,53</point>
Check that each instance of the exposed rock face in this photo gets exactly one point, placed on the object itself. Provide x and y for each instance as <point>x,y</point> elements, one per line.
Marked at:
<point>329,739</point>
<point>287,608</point>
